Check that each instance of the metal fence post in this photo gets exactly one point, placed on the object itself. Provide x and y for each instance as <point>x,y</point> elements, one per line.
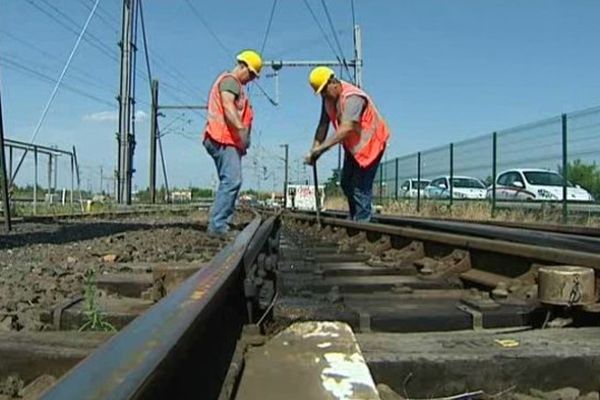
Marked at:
<point>494,172</point>
<point>50,178</point>
<point>451,173</point>
<point>396,179</point>
<point>565,168</point>
<point>72,182</point>
<point>419,182</point>
<point>5,180</point>
<point>381,184</point>
<point>35,179</point>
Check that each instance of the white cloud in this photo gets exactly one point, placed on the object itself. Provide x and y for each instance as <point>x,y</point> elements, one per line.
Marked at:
<point>112,116</point>
<point>141,116</point>
<point>102,116</point>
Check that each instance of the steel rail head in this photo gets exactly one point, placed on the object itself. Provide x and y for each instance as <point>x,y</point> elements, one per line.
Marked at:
<point>538,252</point>
<point>127,365</point>
<point>259,240</point>
<point>578,230</point>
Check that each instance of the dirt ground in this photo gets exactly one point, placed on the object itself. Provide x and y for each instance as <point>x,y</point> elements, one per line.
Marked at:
<point>42,264</point>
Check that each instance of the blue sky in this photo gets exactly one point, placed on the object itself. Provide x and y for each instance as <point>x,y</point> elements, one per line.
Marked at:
<point>439,71</point>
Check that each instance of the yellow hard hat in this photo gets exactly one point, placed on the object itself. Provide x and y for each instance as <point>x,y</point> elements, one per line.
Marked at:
<point>319,77</point>
<point>252,59</point>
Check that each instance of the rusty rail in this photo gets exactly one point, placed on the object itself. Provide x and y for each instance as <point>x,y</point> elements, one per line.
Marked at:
<point>179,348</point>
<point>542,252</point>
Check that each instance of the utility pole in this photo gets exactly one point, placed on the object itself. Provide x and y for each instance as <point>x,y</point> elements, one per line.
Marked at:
<point>55,185</point>
<point>50,178</point>
<point>5,199</point>
<point>153,138</point>
<point>101,180</point>
<point>285,175</point>
<point>125,136</point>
<point>358,57</point>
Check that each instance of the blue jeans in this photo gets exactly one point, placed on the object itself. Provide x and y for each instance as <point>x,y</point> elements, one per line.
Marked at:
<point>357,184</point>
<point>228,161</point>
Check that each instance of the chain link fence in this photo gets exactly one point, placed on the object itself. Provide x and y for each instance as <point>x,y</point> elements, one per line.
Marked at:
<point>547,164</point>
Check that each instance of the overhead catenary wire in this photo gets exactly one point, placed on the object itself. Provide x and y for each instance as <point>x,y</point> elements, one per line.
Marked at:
<point>335,37</point>
<point>94,41</point>
<point>268,30</point>
<point>101,11</point>
<point>226,50</point>
<point>56,87</point>
<point>168,68</point>
<point>102,17</point>
<point>91,39</point>
<point>83,74</point>
<point>325,35</point>
<point>145,40</point>
<point>25,67</point>
<point>147,53</point>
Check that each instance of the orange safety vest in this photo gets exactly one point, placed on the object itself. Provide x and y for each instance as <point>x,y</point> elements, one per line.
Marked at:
<point>217,127</point>
<point>368,144</point>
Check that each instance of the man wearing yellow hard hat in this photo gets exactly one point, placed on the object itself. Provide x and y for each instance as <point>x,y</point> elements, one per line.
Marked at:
<point>227,134</point>
<point>361,130</point>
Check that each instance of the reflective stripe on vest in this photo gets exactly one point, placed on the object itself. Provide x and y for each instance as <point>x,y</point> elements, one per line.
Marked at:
<point>217,127</point>
<point>366,145</point>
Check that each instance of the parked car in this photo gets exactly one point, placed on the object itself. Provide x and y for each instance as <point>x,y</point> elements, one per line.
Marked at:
<point>536,184</point>
<point>408,189</point>
<point>463,187</point>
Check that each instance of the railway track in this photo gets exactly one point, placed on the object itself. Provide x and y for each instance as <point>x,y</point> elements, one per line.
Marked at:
<point>291,309</point>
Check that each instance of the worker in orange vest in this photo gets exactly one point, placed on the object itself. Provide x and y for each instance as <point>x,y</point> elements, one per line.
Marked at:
<point>227,135</point>
<point>359,128</point>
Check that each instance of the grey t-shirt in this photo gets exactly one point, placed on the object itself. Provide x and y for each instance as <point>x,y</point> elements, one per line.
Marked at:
<point>355,105</point>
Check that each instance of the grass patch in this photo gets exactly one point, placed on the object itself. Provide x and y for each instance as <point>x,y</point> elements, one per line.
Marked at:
<point>474,210</point>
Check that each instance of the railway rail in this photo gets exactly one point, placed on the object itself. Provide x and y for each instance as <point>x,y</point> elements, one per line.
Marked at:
<point>414,308</point>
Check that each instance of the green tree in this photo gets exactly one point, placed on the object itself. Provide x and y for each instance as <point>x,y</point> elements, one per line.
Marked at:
<point>332,186</point>
<point>201,193</point>
<point>585,175</point>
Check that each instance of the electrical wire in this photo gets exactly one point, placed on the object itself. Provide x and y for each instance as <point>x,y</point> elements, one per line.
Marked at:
<point>105,20</point>
<point>90,39</point>
<point>57,85</point>
<point>101,11</point>
<point>144,38</point>
<point>16,66</point>
<point>264,43</point>
<point>314,16</point>
<point>335,37</point>
<point>84,74</point>
<point>45,69</point>
<point>264,92</point>
<point>222,45</point>
<point>329,20</point>
<point>147,55</point>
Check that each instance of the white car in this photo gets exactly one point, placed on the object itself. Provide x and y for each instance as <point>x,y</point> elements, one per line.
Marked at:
<point>536,184</point>
<point>463,187</point>
<point>408,189</point>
